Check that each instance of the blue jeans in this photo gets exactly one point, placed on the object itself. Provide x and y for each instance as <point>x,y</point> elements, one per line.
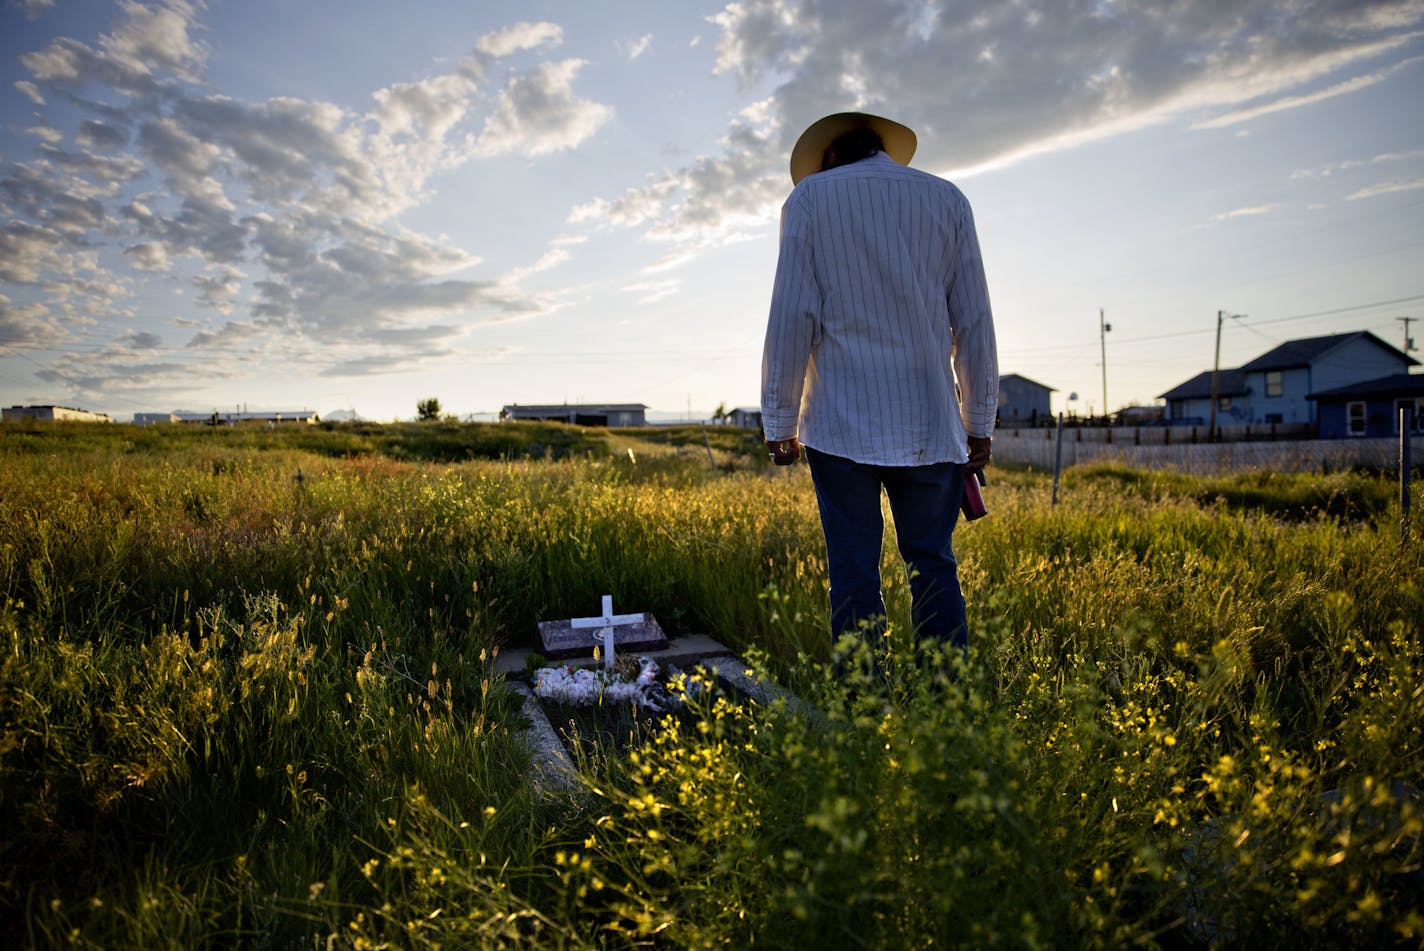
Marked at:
<point>924,502</point>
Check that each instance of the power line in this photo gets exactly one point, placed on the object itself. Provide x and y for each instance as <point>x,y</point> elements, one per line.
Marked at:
<point>1343,310</point>
<point>1149,338</point>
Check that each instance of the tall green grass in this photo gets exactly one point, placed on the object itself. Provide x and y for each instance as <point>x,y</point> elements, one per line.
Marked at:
<point>245,698</point>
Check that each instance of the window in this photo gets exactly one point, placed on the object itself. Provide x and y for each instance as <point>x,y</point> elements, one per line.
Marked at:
<point>1415,419</point>
<point>1275,384</point>
<point>1223,405</point>
<point>1355,418</point>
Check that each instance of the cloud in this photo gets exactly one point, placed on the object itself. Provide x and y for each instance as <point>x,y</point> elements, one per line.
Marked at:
<point>142,340</point>
<point>429,107</point>
<point>650,292</point>
<point>705,203</point>
<point>34,9</point>
<point>178,153</point>
<point>281,150</point>
<point>1246,212</point>
<point>29,251</point>
<point>149,256</point>
<point>518,37</point>
<point>115,369</point>
<point>156,36</point>
<point>26,326</point>
<point>227,336</point>
<point>1350,164</point>
<point>366,279</point>
<point>148,39</point>
<point>288,204</point>
<point>100,135</point>
<point>107,171</point>
<point>538,113</point>
<point>634,207</point>
<point>1354,84</point>
<point>988,84</point>
<point>31,91</point>
<point>640,46</point>
<point>547,261</point>
<point>397,351</point>
<point>46,133</point>
<point>1386,188</point>
<point>217,290</point>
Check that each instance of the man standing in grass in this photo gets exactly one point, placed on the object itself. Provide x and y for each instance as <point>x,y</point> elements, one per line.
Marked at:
<point>880,361</point>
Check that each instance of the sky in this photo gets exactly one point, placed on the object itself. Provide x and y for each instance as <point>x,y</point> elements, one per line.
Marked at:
<point>349,206</point>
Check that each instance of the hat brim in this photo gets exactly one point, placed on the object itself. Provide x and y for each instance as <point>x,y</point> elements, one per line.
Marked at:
<point>811,147</point>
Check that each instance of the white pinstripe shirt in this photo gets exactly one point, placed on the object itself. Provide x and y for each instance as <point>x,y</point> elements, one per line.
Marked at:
<point>879,292</point>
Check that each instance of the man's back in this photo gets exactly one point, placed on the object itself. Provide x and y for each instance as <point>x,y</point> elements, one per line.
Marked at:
<point>879,283</point>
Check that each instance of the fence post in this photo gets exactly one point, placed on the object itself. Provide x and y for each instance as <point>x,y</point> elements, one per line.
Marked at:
<point>1405,464</point>
<point>1058,459</point>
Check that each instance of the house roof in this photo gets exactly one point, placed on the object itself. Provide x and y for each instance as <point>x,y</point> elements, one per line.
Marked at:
<point>1304,352</point>
<point>1020,376</point>
<point>1228,383</point>
<point>1396,384</point>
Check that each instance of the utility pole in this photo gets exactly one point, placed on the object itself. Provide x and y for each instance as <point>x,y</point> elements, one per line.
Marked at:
<point>1221,315</point>
<point>1103,328</point>
<point>1215,370</point>
<point>1408,340</point>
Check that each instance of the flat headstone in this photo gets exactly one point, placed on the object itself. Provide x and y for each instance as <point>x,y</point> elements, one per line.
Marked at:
<point>679,652</point>
<point>561,639</point>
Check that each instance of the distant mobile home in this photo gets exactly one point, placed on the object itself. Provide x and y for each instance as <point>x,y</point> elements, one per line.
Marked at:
<point>53,414</point>
<point>228,419</point>
<point>579,414</point>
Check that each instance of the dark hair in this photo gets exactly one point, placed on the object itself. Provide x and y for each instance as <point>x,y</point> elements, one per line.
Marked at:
<point>851,147</point>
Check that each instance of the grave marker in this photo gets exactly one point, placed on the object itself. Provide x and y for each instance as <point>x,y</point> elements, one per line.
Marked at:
<point>577,637</point>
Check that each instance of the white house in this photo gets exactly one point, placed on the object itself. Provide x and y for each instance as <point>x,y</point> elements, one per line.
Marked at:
<point>1274,387</point>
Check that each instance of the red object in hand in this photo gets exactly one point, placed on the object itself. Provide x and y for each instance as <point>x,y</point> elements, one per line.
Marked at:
<point>972,502</point>
<point>784,451</point>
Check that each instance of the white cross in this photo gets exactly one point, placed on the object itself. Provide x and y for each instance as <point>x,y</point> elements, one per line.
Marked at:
<point>605,625</point>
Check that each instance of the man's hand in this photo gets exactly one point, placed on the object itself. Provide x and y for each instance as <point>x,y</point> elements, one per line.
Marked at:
<point>979,452</point>
<point>784,451</point>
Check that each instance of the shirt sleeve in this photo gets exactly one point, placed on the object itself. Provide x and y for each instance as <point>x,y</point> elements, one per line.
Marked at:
<point>791,329</point>
<point>975,350</point>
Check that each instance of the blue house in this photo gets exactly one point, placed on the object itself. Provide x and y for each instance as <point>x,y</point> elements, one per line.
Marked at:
<point>1276,386</point>
<point>1189,403</point>
<point>1022,402</point>
<point>745,417</point>
<point>1371,408</point>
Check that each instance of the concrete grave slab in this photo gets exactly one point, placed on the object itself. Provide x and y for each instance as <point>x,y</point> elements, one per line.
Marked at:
<point>554,770</point>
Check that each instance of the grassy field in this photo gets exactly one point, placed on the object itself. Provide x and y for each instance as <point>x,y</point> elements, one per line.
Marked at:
<point>245,699</point>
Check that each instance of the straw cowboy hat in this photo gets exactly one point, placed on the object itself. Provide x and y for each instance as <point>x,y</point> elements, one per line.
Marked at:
<point>806,156</point>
